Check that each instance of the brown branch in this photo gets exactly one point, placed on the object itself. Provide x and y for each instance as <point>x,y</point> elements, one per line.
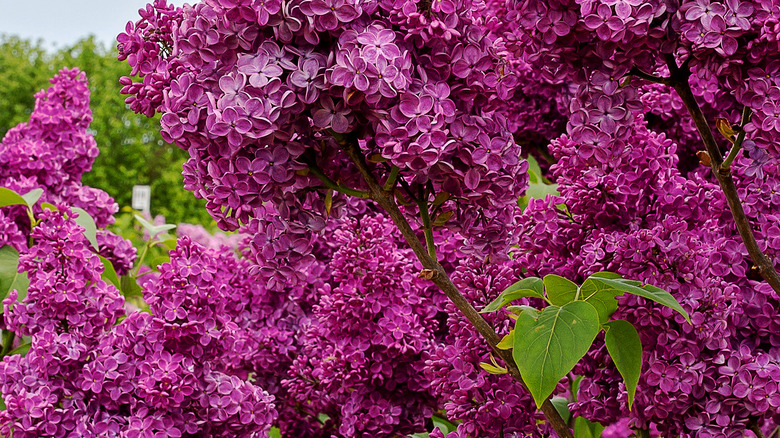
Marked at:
<point>442,280</point>
<point>753,426</point>
<point>679,81</point>
<point>636,71</point>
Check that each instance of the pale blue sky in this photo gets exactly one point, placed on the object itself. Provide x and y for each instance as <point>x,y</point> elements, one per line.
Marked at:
<point>63,22</point>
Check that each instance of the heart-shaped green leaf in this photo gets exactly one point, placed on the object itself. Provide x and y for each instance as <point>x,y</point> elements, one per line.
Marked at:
<point>130,287</point>
<point>527,287</point>
<point>586,429</point>
<point>650,292</point>
<point>559,290</point>
<point>32,196</point>
<point>10,197</point>
<point>22,349</point>
<point>10,279</point>
<point>547,348</point>
<point>601,297</point>
<point>625,348</point>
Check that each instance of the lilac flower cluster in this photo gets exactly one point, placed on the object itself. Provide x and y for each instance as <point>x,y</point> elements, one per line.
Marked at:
<point>67,309</point>
<point>486,404</point>
<point>199,234</point>
<point>629,210</point>
<point>360,360</point>
<point>260,92</point>
<point>176,372</point>
<point>51,152</point>
<point>725,44</point>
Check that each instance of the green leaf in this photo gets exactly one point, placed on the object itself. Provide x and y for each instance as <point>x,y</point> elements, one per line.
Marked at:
<point>441,198</point>
<point>328,201</point>
<point>109,273</point>
<point>10,279</point>
<point>10,197</point>
<point>625,348</point>
<point>561,404</point>
<point>492,369</point>
<point>527,287</point>
<point>538,187</point>
<point>130,287</point>
<point>601,297</point>
<point>274,433</point>
<point>443,424</point>
<point>154,229</point>
<point>442,218</point>
<point>606,274</point>
<point>586,429</point>
<point>507,341</point>
<point>650,292</point>
<point>560,290</point>
<point>46,205</point>
<point>170,243</point>
<point>547,348</point>
<point>533,166</point>
<point>86,221</point>
<point>22,349</point>
<point>32,196</point>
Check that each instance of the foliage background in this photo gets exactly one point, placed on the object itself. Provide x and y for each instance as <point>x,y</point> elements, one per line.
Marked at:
<point>131,149</point>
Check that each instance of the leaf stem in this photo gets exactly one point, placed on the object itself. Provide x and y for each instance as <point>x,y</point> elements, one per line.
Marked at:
<point>726,165</point>
<point>443,281</point>
<point>333,185</point>
<point>753,426</point>
<point>636,71</point>
<point>392,178</point>
<point>679,81</point>
<point>140,260</point>
<point>422,202</point>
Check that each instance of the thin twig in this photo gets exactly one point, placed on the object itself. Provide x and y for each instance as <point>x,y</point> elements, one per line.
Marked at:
<point>329,183</point>
<point>422,202</point>
<point>442,280</point>
<point>679,81</point>
<point>753,426</point>
<point>392,179</point>
<point>636,71</point>
<point>737,146</point>
<point>642,433</point>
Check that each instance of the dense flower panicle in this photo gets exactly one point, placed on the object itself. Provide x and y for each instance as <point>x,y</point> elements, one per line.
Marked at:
<point>119,251</point>
<point>320,326</point>
<point>64,278</point>
<point>179,371</point>
<point>360,360</point>
<point>210,240</point>
<point>724,43</point>
<point>487,404</point>
<point>54,147</point>
<point>67,309</point>
<point>260,97</point>
<point>629,210</point>
<point>51,152</point>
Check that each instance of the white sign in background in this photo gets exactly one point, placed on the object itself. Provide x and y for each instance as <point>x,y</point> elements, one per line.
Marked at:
<point>142,197</point>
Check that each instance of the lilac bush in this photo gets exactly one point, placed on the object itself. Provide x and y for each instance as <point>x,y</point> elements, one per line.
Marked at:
<point>369,153</point>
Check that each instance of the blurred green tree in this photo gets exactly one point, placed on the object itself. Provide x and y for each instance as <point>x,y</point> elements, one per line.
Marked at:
<point>131,149</point>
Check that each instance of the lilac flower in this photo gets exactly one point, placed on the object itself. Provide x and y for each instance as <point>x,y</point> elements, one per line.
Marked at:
<point>332,115</point>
